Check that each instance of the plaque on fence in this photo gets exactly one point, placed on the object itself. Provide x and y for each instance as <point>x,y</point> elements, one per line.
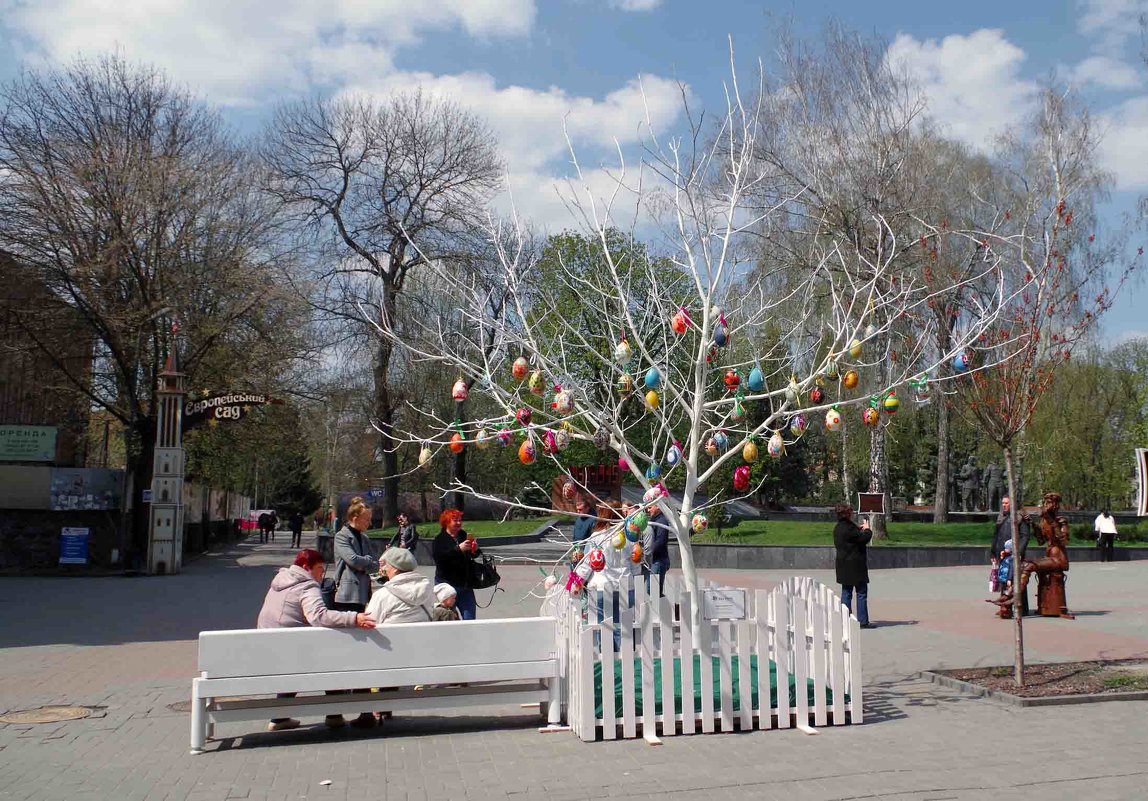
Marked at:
<point>726,603</point>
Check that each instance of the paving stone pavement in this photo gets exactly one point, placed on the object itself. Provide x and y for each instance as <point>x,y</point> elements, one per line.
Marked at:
<point>127,647</point>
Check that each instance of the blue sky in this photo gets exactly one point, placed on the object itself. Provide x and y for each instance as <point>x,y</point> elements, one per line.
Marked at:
<point>529,64</point>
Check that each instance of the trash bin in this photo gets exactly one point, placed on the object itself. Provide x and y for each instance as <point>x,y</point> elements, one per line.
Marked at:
<point>326,544</point>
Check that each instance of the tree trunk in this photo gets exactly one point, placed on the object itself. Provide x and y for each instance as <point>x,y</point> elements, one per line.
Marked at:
<point>685,548</point>
<point>385,414</point>
<point>941,493</point>
<point>141,456</point>
<point>879,480</point>
<point>1018,620</point>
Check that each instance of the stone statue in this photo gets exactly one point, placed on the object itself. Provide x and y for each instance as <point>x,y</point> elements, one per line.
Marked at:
<point>968,481</point>
<point>993,486</point>
<point>1052,532</point>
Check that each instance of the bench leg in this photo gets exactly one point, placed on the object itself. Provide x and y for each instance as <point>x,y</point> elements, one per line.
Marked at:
<point>554,706</point>
<point>198,718</point>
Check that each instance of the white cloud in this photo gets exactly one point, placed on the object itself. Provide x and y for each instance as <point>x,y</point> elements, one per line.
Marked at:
<point>237,50</point>
<point>1106,72</point>
<point>1111,22</point>
<point>972,83</point>
<point>1124,148</point>
<point>635,5</point>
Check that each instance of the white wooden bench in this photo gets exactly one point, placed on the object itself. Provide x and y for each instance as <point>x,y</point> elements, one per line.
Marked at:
<point>503,661</point>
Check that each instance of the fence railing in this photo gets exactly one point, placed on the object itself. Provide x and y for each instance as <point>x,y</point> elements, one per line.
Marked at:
<point>635,663</point>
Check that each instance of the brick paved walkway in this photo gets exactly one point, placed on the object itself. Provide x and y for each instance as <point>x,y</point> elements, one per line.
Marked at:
<point>128,647</point>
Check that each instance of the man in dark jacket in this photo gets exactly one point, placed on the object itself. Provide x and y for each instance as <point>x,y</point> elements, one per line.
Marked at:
<point>295,523</point>
<point>1002,534</point>
<point>656,547</point>
<point>852,563</point>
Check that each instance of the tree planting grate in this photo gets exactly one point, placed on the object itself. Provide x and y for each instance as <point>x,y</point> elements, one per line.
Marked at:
<point>46,714</point>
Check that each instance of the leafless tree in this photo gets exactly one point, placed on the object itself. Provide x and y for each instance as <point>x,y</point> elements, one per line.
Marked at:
<point>367,178</point>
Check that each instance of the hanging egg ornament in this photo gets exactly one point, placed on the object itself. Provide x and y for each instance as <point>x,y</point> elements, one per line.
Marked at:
<point>653,379</point>
<point>699,523</point>
<point>636,554</point>
<point>870,331</point>
<point>519,368</point>
<point>549,443</point>
<point>832,371</point>
<point>459,392</point>
<point>564,401</point>
<point>523,416</point>
<point>652,400</point>
<point>618,540</point>
<point>741,478</point>
<point>425,455</point>
<point>855,349</point>
<point>920,388</point>
<point>622,351</point>
<point>891,403</point>
<point>653,471</point>
<point>870,416</point>
<point>680,321</point>
<point>482,439</point>
<point>562,439</point>
<point>526,452</point>
<point>597,559</point>
<point>457,443</point>
<point>776,445</point>
<point>798,424</point>
<point>504,437</point>
<point>961,362</point>
<point>537,383</point>
<point>721,333</point>
<point>737,412</point>
<point>731,380</point>
<point>712,447</point>
<point>577,555</point>
<point>749,451</point>
<point>793,391</point>
<point>601,438</point>
<point>569,489</point>
<point>655,492</point>
<point>625,385</point>
<point>721,439</point>
<point>850,379</point>
<point>756,380</point>
<point>623,465</point>
<point>636,524</point>
<point>674,453</point>
<point>833,419</point>
<point>817,396</point>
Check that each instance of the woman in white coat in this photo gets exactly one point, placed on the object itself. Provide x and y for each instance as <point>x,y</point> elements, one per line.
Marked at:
<point>407,597</point>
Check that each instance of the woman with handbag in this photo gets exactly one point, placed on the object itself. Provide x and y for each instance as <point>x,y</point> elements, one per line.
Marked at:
<point>454,554</point>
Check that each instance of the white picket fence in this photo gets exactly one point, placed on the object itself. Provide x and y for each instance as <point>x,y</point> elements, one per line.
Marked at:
<point>800,626</point>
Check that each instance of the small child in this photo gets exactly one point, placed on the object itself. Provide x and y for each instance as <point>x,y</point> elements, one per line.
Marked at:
<point>444,609</point>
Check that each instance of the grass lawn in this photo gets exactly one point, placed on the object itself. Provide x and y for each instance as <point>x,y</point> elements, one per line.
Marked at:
<point>791,532</point>
<point>476,528</point>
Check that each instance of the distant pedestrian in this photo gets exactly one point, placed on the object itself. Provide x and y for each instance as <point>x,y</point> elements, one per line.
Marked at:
<point>273,524</point>
<point>656,549</point>
<point>264,523</point>
<point>1002,534</point>
<point>407,535</point>
<point>1105,527</point>
<point>851,542</point>
<point>584,523</point>
<point>454,554</point>
<point>295,523</point>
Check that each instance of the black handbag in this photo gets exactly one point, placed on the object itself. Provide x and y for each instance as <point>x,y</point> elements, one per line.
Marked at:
<point>327,588</point>
<point>483,573</point>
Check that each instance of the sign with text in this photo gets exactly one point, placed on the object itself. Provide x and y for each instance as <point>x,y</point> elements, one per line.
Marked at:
<point>27,443</point>
<point>85,488</point>
<point>726,603</point>
<point>871,503</point>
<point>222,407</point>
<point>74,546</point>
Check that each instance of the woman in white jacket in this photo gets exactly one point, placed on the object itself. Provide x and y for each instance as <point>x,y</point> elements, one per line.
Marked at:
<point>407,597</point>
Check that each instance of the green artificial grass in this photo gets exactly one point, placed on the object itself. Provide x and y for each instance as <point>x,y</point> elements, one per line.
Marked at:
<point>793,532</point>
<point>476,528</point>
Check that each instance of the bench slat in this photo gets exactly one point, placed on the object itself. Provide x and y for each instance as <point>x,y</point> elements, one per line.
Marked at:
<point>272,652</point>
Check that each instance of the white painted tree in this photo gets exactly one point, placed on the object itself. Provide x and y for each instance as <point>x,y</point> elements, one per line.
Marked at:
<point>673,362</point>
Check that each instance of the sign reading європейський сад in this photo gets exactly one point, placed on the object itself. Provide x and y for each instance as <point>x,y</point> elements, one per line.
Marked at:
<point>222,407</point>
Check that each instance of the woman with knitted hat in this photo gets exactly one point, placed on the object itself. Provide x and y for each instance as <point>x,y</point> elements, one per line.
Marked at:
<point>407,597</point>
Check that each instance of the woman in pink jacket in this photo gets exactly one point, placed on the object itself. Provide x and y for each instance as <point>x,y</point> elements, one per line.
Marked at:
<point>295,600</point>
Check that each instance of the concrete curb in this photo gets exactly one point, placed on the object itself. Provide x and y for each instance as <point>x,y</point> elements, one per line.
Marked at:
<point>976,690</point>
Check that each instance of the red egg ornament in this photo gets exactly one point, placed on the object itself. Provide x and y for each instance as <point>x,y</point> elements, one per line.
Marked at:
<point>597,559</point>
<point>680,321</point>
<point>741,478</point>
<point>519,368</point>
<point>871,417</point>
<point>731,380</point>
<point>457,443</point>
<point>523,416</point>
<point>526,453</point>
<point>459,392</point>
<point>816,396</point>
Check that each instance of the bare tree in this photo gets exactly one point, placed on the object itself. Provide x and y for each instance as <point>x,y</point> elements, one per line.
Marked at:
<point>369,178</point>
<point>132,204</point>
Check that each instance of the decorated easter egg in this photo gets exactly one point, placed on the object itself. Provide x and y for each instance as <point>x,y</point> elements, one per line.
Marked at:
<point>654,493</point>
<point>526,452</point>
<point>855,349</point>
<point>549,443</point>
<point>674,453</point>
<point>721,336</point>
<point>737,412</point>
<point>832,371</point>
<point>711,447</point>
<point>457,443</point>
<point>749,451</point>
<point>961,362</point>
<point>459,392</point>
<point>680,321</point>
<point>850,379</point>
<point>623,465</point>
<point>721,439</point>
<point>519,368</point>
<point>569,489</point>
<point>577,555</point>
<point>564,401</point>
<point>776,445</point>
<point>798,424</point>
<point>653,378</point>
<point>601,438</point>
<point>817,395</point>
<point>891,403</point>
<point>699,523</point>
<point>870,416</point>
<point>653,471</point>
<point>597,559</point>
<point>537,383</point>
<point>652,400</point>
<point>482,439</point>
<point>523,416</point>
<point>756,380</point>
<point>741,478</point>
<point>636,554</point>
<point>622,352</point>
<point>833,419</point>
<point>425,455</point>
<point>731,379</point>
<point>618,540</point>
<point>793,391</point>
<point>626,384</point>
<point>503,437</point>
<point>562,439</point>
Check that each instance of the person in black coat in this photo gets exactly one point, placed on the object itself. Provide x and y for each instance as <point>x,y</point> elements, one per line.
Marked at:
<point>1002,534</point>
<point>851,540</point>
<point>454,552</point>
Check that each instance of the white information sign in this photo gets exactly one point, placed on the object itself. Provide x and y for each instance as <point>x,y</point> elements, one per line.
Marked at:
<point>726,603</point>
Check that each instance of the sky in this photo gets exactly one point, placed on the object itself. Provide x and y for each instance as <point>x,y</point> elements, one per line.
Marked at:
<point>540,71</point>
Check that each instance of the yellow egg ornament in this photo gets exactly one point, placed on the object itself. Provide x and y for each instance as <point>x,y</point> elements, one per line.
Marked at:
<point>855,349</point>
<point>652,400</point>
<point>749,452</point>
<point>850,379</point>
